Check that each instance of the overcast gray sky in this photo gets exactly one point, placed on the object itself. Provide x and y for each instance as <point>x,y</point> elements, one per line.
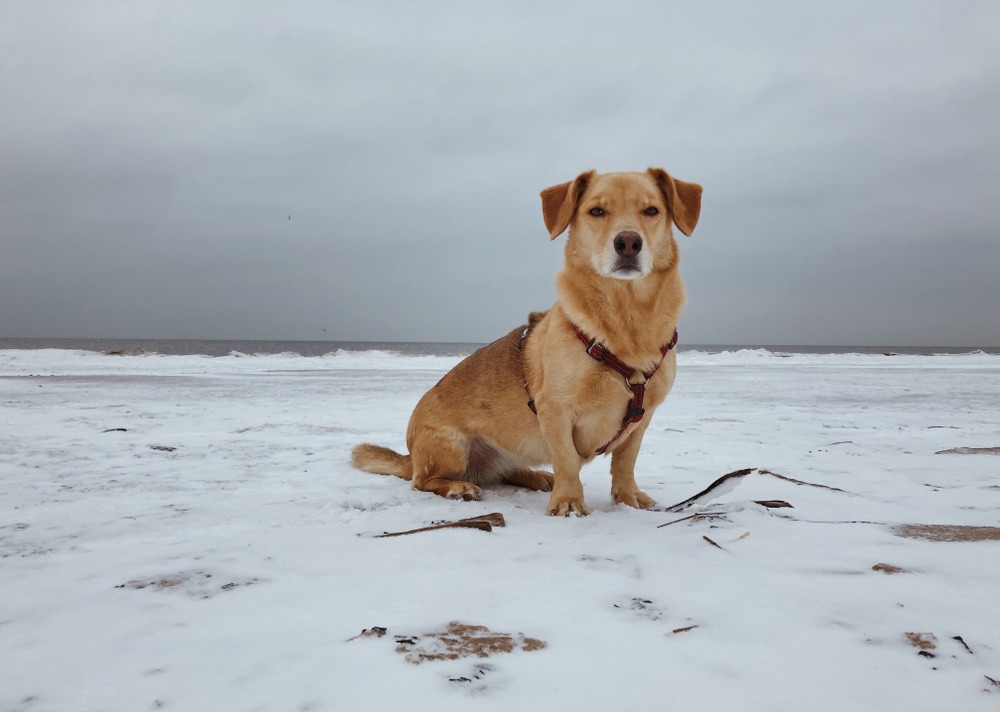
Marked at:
<point>151,154</point>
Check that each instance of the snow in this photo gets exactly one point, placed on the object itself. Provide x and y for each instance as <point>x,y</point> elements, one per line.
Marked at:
<point>234,571</point>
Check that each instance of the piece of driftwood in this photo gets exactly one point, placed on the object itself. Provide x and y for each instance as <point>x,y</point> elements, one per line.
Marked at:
<point>738,474</point>
<point>484,522</point>
<point>773,503</point>
<point>696,516</point>
<point>715,485</point>
<point>799,482</point>
<point>713,543</point>
<point>685,629</point>
<point>961,640</point>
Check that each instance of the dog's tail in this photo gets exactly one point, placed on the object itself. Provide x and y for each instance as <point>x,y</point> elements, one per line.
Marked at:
<point>381,461</point>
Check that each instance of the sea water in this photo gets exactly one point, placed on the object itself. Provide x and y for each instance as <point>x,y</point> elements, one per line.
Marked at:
<point>210,347</point>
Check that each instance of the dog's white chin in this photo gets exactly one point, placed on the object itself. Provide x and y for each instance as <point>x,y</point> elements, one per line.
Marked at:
<point>625,274</point>
<point>612,266</point>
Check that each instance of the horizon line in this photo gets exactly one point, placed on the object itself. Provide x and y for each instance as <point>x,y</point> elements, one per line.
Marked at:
<point>684,345</point>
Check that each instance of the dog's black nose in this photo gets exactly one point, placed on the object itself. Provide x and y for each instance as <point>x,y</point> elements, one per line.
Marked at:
<point>628,243</point>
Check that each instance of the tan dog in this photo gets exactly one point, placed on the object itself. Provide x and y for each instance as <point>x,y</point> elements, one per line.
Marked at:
<point>583,362</point>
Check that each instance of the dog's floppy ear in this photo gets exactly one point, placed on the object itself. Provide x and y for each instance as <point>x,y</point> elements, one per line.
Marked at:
<point>683,199</point>
<point>559,203</point>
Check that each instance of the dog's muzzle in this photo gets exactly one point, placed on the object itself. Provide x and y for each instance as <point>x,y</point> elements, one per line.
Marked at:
<point>627,263</point>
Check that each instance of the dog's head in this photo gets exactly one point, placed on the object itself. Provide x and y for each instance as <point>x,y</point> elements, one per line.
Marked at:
<point>620,223</point>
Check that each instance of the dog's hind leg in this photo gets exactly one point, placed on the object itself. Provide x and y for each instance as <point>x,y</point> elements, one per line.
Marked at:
<point>440,462</point>
<point>537,480</point>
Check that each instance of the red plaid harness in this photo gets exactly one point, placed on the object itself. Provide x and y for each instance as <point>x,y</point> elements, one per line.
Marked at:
<point>601,354</point>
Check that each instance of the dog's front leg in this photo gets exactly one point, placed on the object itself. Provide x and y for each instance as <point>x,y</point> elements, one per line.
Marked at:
<point>567,490</point>
<point>624,490</point>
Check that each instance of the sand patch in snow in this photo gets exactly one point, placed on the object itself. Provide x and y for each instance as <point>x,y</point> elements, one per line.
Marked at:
<point>947,532</point>
<point>456,640</point>
<point>970,451</point>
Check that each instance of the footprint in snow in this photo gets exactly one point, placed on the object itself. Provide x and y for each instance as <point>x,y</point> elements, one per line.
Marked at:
<point>476,679</point>
<point>641,607</point>
<point>646,609</point>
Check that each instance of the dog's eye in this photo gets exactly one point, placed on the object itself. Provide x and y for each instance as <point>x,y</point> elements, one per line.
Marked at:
<point>596,212</point>
<point>651,211</point>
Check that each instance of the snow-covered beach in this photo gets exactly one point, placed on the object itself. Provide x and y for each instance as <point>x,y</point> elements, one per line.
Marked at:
<point>185,532</point>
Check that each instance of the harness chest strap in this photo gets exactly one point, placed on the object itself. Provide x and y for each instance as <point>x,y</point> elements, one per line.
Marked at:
<point>601,354</point>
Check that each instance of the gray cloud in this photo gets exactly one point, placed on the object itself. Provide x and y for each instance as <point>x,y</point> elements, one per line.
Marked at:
<point>153,152</point>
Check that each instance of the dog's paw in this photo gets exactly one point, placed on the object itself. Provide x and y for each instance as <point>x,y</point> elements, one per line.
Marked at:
<point>464,490</point>
<point>539,481</point>
<point>637,499</point>
<point>565,506</point>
